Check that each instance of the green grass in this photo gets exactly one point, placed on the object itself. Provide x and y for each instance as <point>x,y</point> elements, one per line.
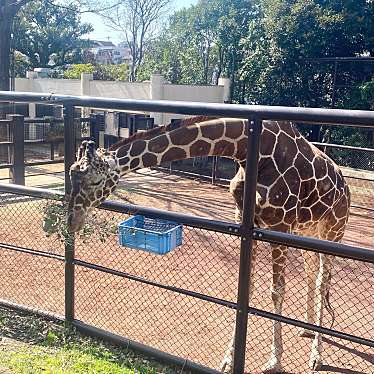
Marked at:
<point>33,346</point>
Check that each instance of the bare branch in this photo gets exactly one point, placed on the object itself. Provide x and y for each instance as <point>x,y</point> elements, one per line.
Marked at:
<point>137,20</point>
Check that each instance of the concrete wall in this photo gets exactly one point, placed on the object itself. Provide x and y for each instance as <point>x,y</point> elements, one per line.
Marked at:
<point>155,89</point>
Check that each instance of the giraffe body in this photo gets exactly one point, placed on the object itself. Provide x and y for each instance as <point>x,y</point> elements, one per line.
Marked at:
<point>299,190</point>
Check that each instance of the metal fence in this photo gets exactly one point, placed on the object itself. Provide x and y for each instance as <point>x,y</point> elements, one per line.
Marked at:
<point>182,307</point>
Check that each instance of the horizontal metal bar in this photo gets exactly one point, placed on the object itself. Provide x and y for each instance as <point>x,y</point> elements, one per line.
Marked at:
<point>358,178</point>
<point>33,252</point>
<point>153,352</point>
<point>188,220</point>
<point>31,310</point>
<point>40,193</point>
<point>5,166</point>
<point>315,245</point>
<point>341,146</point>
<point>312,115</point>
<point>46,162</point>
<point>308,326</point>
<point>340,59</point>
<point>136,278</point>
<point>49,173</point>
<point>43,121</point>
<point>115,206</point>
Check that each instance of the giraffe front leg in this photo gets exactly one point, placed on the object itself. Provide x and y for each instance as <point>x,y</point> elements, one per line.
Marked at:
<point>279,254</point>
<point>322,284</point>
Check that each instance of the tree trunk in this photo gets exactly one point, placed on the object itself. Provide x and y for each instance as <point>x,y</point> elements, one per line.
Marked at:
<point>5,35</point>
<point>5,29</point>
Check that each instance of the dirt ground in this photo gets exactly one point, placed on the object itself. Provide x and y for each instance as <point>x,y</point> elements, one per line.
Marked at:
<point>206,262</point>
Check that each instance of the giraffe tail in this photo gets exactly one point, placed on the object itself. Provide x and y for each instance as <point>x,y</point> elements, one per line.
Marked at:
<point>329,308</point>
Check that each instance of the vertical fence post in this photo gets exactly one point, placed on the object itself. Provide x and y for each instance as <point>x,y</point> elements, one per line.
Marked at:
<point>17,154</point>
<point>214,169</point>
<point>69,148</point>
<point>94,129</point>
<point>249,203</point>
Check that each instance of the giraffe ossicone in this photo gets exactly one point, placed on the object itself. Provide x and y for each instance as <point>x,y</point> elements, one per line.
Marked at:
<point>300,190</point>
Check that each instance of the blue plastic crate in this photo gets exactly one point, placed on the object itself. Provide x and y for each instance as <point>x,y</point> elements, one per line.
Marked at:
<point>149,234</point>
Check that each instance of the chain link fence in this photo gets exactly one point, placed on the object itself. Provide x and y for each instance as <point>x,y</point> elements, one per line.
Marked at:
<point>168,302</point>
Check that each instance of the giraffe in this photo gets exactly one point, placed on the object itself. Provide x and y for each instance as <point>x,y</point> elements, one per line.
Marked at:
<point>300,190</point>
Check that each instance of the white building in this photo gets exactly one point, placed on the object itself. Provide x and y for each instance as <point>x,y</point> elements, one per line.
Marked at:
<point>105,52</point>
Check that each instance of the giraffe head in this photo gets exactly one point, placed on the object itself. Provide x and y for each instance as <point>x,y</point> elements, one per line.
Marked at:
<point>93,177</point>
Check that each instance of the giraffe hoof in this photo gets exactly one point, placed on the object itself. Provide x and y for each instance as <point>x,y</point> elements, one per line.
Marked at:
<point>272,368</point>
<point>226,366</point>
<point>315,364</point>
<point>304,333</point>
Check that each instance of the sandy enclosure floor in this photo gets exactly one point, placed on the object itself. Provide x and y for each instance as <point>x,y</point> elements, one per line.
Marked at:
<point>207,262</point>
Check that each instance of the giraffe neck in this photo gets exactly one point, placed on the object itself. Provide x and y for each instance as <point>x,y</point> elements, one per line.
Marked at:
<point>221,137</point>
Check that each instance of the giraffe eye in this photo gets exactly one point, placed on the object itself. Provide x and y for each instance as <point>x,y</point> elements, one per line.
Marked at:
<point>96,183</point>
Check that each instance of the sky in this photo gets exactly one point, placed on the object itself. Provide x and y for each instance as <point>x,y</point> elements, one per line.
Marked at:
<point>101,32</point>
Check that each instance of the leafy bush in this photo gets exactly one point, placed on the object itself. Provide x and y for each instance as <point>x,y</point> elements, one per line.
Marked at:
<point>118,72</point>
<point>55,224</point>
<point>75,71</point>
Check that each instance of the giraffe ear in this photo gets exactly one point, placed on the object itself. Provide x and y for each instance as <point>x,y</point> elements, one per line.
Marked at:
<point>90,150</point>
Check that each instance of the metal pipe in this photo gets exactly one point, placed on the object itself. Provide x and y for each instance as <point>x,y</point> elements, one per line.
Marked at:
<point>69,158</point>
<point>311,115</point>
<point>340,146</point>
<point>30,310</point>
<point>29,251</point>
<point>153,352</point>
<point>308,326</point>
<point>136,278</point>
<point>314,245</point>
<point>115,206</point>
<point>249,202</point>
<point>40,193</point>
<point>189,220</point>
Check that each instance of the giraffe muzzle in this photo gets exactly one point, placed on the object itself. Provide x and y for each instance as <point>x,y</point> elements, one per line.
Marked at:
<point>75,220</point>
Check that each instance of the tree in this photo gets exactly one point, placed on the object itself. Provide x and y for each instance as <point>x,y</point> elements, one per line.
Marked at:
<point>8,10</point>
<point>202,42</point>
<point>137,20</point>
<point>283,44</point>
<point>43,30</point>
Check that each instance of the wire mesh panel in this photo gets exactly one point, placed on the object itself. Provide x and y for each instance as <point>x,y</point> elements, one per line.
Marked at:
<point>206,263</point>
<point>174,323</point>
<point>351,298</point>
<point>27,278</point>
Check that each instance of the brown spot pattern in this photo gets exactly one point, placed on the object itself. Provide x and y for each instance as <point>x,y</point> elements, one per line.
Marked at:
<point>137,148</point>
<point>224,148</point>
<point>285,152</point>
<point>149,159</point>
<point>212,132</point>
<point>234,130</point>
<point>267,143</point>
<point>124,161</point>
<point>159,144</point>
<point>134,163</point>
<point>200,148</point>
<point>184,135</point>
<point>123,151</point>
<point>173,154</point>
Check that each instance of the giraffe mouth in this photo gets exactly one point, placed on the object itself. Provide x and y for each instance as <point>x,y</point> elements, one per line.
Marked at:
<point>75,220</point>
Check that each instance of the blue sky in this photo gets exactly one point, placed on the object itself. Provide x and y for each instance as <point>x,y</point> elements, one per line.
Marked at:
<point>101,32</point>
